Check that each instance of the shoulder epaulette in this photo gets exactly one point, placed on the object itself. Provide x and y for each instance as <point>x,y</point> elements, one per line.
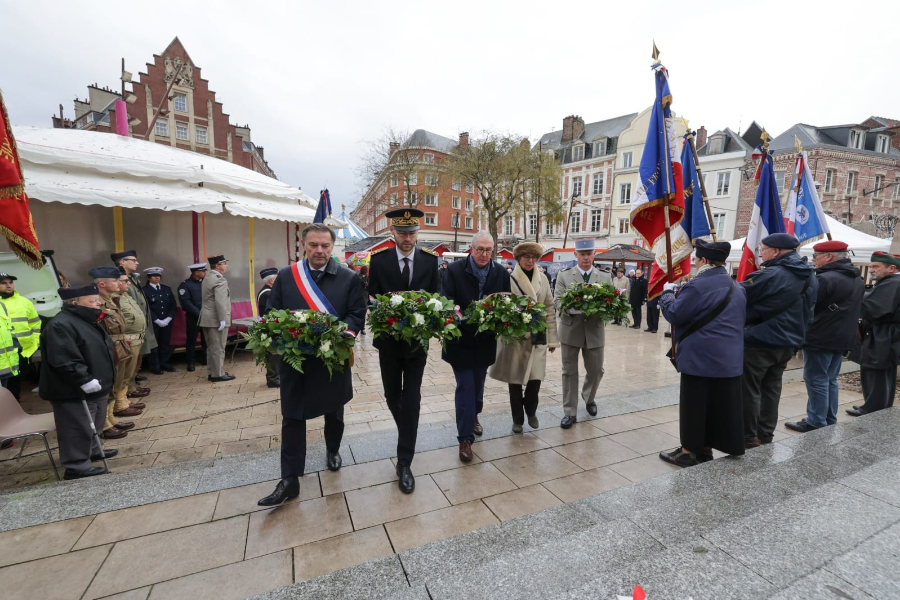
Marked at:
<point>379,250</point>
<point>430,251</point>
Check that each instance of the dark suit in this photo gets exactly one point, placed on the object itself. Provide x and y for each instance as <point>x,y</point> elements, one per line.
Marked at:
<point>402,364</point>
<point>161,304</point>
<point>191,296</point>
<point>273,379</point>
<point>470,355</point>
<point>637,295</point>
<point>314,393</point>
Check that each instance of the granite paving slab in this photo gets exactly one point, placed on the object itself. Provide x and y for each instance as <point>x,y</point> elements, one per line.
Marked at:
<point>821,584</point>
<point>881,481</point>
<point>872,565</point>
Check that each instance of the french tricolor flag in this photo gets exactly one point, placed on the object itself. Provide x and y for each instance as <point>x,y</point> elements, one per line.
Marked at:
<point>766,218</point>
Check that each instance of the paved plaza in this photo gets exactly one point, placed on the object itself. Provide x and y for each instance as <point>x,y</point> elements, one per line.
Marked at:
<point>580,513</point>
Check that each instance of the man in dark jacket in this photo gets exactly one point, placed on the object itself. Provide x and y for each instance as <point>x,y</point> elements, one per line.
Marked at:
<point>78,364</point>
<point>637,295</point>
<point>269,275</point>
<point>314,392</point>
<point>190,294</point>
<point>780,301</point>
<point>833,332</point>
<point>403,268</point>
<point>470,355</point>
<point>161,304</point>
<point>879,351</point>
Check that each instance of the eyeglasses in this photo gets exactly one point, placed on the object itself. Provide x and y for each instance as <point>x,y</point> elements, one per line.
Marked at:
<point>130,259</point>
<point>482,250</point>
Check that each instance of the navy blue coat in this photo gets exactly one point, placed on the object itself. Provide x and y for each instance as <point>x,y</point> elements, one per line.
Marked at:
<point>190,293</point>
<point>314,393</point>
<point>161,302</point>
<point>461,285</point>
<point>777,285</point>
<point>716,349</point>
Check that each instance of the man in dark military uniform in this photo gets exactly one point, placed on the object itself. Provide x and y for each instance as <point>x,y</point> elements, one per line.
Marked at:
<point>161,303</point>
<point>190,294</point>
<point>399,269</point>
<point>273,379</point>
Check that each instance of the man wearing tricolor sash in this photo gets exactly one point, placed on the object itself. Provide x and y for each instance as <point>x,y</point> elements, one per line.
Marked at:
<point>316,283</point>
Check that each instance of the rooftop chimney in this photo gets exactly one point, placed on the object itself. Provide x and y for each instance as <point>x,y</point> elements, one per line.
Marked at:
<point>701,137</point>
<point>577,128</point>
<point>464,139</point>
<point>394,147</point>
<point>567,128</point>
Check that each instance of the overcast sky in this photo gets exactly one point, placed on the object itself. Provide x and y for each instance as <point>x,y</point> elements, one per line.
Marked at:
<point>315,80</point>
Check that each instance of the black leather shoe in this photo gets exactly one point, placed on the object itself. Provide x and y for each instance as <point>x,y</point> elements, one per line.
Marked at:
<point>285,490</point>
<point>191,368</point>
<point>591,408</point>
<point>407,481</point>
<point>855,407</point>
<point>108,452</point>
<point>225,377</point>
<point>855,412</point>
<point>635,327</point>
<point>273,384</point>
<point>802,426</point>
<point>679,457</point>
<point>568,421</point>
<point>140,378</point>
<point>156,371</point>
<point>92,471</point>
<point>333,460</point>
<point>168,369</point>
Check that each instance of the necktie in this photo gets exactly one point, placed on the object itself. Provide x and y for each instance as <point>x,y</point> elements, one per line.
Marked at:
<point>586,277</point>
<point>404,272</point>
<point>316,275</point>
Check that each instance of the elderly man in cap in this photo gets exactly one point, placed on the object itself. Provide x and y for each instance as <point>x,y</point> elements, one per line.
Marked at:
<point>128,262</point>
<point>215,317</point>
<point>190,294</point>
<point>135,335</point>
<point>833,332</point>
<point>26,326</point>
<point>879,352</point>
<point>780,301</point>
<point>269,275</point>
<point>78,365</point>
<point>578,335</point>
<point>707,316</point>
<point>623,284</point>
<point>403,268</point>
<point>161,303</point>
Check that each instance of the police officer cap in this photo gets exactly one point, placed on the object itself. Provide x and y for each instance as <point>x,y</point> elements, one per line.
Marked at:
<point>76,292</point>
<point>781,241</point>
<point>117,256</point>
<point>7,276</point>
<point>405,219</point>
<point>197,267</point>
<point>153,271</point>
<point>104,273</point>
<point>830,246</point>
<point>268,272</point>
<point>714,251</point>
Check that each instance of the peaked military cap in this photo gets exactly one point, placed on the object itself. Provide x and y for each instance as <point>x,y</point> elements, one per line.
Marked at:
<point>405,219</point>
<point>197,267</point>
<point>268,272</point>
<point>153,271</point>
<point>214,260</point>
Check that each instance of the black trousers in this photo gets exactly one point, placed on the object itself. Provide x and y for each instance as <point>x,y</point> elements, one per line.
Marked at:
<point>272,369</point>
<point>159,356</point>
<point>761,390</point>
<point>401,376</point>
<point>192,330</point>
<point>878,387</point>
<point>653,315</point>
<point>636,315</point>
<point>524,403</point>
<point>293,442</point>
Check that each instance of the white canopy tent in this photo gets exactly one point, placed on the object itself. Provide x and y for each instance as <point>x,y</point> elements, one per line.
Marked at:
<point>862,245</point>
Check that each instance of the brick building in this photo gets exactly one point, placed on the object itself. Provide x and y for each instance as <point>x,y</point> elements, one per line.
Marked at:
<point>190,118</point>
<point>856,168</point>
<point>414,177</point>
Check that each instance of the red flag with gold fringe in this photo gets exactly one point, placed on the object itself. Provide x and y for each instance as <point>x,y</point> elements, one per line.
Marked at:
<point>15,216</point>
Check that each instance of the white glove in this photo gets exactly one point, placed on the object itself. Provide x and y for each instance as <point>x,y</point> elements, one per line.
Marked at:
<point>91,386</point>
<point>669,287</point>
<point>166,322</point>
<point>221,325</point>
<point>575,311</point>
<point>160,322</point>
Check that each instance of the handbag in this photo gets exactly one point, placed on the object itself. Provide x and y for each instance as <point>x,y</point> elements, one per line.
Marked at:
<point>706,320</point>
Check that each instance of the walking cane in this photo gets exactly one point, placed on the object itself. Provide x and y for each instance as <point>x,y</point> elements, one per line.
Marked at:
<point>87,411</point>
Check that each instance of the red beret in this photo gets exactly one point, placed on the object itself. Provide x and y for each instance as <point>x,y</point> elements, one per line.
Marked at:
<point>830,246</point>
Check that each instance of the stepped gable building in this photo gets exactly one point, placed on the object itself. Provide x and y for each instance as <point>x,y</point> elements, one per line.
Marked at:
<point>190,117</point>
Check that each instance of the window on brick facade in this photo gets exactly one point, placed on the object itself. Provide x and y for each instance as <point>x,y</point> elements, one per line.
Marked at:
<point>394,180</point>
<point>599,148</point>
<point>162,128</point>
<point>470,188</point>
<point>856,139</point>
<point>576,186</point>
<point>851,182</point>
<point>575,222</point>
<point>596,219</point>
<point>623,225</point>
<point>454,202</point>
<point>723,183</point>
<point>431,200</point>
<point>624,193</point>
<point>381,224</point>
<point>578,153</point>
<point>627,159</point>
<point>180,102</point>
<point>878,181</point>
<point>532,224</point>
<point>201,135</point>
<point>431,219</point>
<point>410,198</point>
<point>468,222</point>
<point>394,199</point>
<point>413,179</point>
<point>431,179</point>
<point>883,144</point>
<point>897,188</point>
<point>598,184</point>
<point>829,180</point>
<point>429,158</point>
<point>508,226</point>
<point>719,223</point>
<point>780,177</point>
<point>181,131</point>
<point>456,185</point>
<point>468,204</point>
<point>412,157</point>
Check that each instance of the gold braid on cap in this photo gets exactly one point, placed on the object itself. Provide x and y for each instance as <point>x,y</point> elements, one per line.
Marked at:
<point>406,220</point>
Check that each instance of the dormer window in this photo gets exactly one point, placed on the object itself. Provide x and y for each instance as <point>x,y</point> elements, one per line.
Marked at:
<point>883,144</point>
<point>599,148</point>
<point>716,145</point>
<point>856,139</point>
<point>578,153</point>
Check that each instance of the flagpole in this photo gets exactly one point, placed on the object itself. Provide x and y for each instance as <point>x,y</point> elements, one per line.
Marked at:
<point>709,219</point>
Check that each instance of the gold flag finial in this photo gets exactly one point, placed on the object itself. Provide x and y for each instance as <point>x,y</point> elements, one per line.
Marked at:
<point>765,137</point>
<point>798,145</point>
<point>655,55</point>
<point>686,123</point>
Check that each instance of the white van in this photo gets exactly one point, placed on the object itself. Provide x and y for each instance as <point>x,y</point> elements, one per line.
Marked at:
<point>38,286</point>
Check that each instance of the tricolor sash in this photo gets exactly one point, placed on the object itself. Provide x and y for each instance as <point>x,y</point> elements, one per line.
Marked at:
<point>310,291</point>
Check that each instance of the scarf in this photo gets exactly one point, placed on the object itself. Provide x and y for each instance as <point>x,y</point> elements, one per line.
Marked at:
<point>481,273</point>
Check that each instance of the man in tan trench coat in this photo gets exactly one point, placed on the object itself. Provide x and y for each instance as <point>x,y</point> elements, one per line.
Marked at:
<point>215,317</point>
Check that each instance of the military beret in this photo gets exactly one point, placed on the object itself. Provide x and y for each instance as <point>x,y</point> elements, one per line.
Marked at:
<point>117,256</point>
<point>714,251</point>
<point>888,259</point>
<point>781,241</point>
<point>268,272</point>
<point>104,273</point>
<point>830,246</point>
<point>76,292</point>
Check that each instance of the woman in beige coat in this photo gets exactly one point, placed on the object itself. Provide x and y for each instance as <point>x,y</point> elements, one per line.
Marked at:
<point>523,364</point>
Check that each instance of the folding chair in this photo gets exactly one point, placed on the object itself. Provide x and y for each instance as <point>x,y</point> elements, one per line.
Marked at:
<point>15,423</point>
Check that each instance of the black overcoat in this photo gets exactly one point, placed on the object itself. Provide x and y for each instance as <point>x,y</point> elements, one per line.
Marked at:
<point>461,285</point>
<point>314,393</point>
<point>384,278</point>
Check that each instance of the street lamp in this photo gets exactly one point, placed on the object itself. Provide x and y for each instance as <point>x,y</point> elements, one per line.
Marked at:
<point>454,223</point>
